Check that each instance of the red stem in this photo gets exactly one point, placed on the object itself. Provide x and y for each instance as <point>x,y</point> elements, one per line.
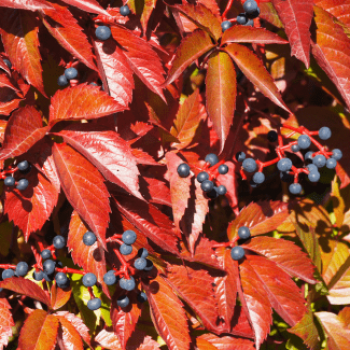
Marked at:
<point>228,7</point>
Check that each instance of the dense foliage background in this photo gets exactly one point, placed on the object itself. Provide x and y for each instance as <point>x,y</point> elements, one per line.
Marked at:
<point>168,84</point>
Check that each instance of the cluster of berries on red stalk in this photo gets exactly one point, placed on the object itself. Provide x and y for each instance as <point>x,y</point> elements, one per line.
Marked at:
<point>52,269</point>
<point>246,18</point>
<point>206,177</point>
<point>9,181</point>
<point>313,160</point>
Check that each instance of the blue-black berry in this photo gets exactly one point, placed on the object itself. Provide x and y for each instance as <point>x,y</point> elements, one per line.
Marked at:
<point>259,177</point>
<point>249,165</point>
<point>21,269</point>
<point>48,277</point>
<point>223,169</point>
<point>124,10</point>
<point>149,265</point>
<point>22,184</point>
<point>295,148</point>
<point>212,159</point>
<point>242,19</point>
<point>23,165</point>
<point>337,154</point>
<point>314,176</point>
<point>142,253</point>
<point>129,237</point>
<point>125,249</point>
<point>286,177</point>
<point>312,167</point>
<point>71,73</point>
<point>89,280</point>
<point>61,278</point>
<point>103,33</point>
<point>304,141</point>
<point>331,163</point>
<point>9,181</point>
<point>250,23</point>
<point>319,160</point>
<point>38,275</point>
<point>94,304</point>
<point>109,278</point>
<point>49,266</point>
<point>8,273</point>
<point>127,284</point>
<point>308,156</point>
<point>325,133</point>
<point>240,156</point>
<point>140,263</point>
<point>284,164</point>
<point>7,62</point>
<point>237,253</point>
<point>221,190</point>
<point>272,136</point>
<point>295,188</point>
<point>123,301</point>
<point>244,232</point>
<point>183,170</point>
<point>207,186</point>
<point>142,297</point>
<point>62,80</point>
<point>202,176</point>
<point>89,238</point>
<point>250,6</point>
<point>59,242</point>
<point>226,25</point>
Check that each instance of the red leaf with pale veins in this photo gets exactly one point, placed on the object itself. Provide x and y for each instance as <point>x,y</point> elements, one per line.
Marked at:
<point>23,130</point>
<point>286,255</point>
<point>88,6</point>
<point>82,102</point>
<point>230,181</point>
<point>269,14</point>
<point>26,287</point>
<point>68,337</point>
<point>3,124</point>
<point>150,221</point>
<point>179,187</point>
<point>59,297</point>
<point>108,340</point>
<point>29,209</point>
<point>191,48</point>
<point>284,295</point>
<point>7,107</point>
<point>158,191</point>
<point>142,58</point>
<point>332,51</point>
<point>39,331</point>
<point>256,301</point>
<point>228,343</point>
<point>296,16</point>
<point>261,217</point>
<point>242,34</point>
<point>19,31</point>
<point>221,89</point>
<point>148,8</point>
<point>84,188</point>
<point>196,288</point>
<point>339,9</point>
<point>187,121</point>
<point>106,150</point>
<point>255,71</point>
<point>141,341</point>
<point>65,29</point>
<point>124,320</point>
<point>164,304</point>
<point>90,258</point>
<point>31,5</point>
<point>143,157</point>
<point>116,74</point>
<point>7,82</point>
<point>6,323</point>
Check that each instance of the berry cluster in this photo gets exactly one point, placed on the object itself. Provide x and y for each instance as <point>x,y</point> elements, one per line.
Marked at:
<point>207,175</point>
<point>246,18</point>
<point>313,160</point>
<point>9,181</point>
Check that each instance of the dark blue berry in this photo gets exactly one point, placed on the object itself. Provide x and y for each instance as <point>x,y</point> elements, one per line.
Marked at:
<point>103,33</point>
<point>250,23</point>
<point>71,73</point>
<point>226,25</point>
<point>89,238</point>
<point>240,156</point>
<point>61,278</point>
<point>142,297</point>
<point>9,181</point>
<point>244,232</point>
<point>93,84</point>
<point>38,275</point>
<point>64,285</point>
<point>331,163</point>
<point>109,278</point>
<point>124,10</point>
<point>183,170</point>
<point>48,277</point>
<point>23,165</point>
<point>94,304</point>
<point>49,266</point>
<point>253,184</point>
<point>129,237</point>
<point>22,184</point>
<point>337,154</point>
<point>304,141</point>
<point>242,19</point>
<point>149,265</point>
<point>59,242</point>
<point>140,263</point>
<point>221,190</point>
<point>212,159</point>
<point>127,284</point>
<point>308,156</point>
<point>8,273</point>
<point>237,253</point>
<point>125,249</point>
<point>295,148</point>
<point>325,133</point>
<point>254,14</point>
<point>272,136</point>
<point>259,177</point>
<point>312,167</point>
<point>207,186</point>
<point>319,160</point>
<point>286,177</point>
<point>202,176</point>
<point>284,164</point>
<point>22,269</point>
<point>62,80</point>
<point>295,188</point>
<point>142,253</point>
<point>223,169</point>
<point>249,165</point>
<point>314,176</point>
<point>7,62</point>
<point>89,280</point>
<point>123,301</point>
<point>250,6</point>
<point>213,193</point>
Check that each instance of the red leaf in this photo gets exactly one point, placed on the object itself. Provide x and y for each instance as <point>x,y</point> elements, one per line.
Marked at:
<point>68,337</point>
<point>164,305</point>
<point>331,48</point>
<point>150,221</point>
<point>148,7</point>
<point>31,5</point>
<point>230,181</point>
<point>4,66</point>
<point>242,34</point>
<point>339,9</point>
<point>261,217</point>
<point>88,6</point>
<point>255,300</point>
<point>23,130</point>
<point>191,48</point>
<point>196,288</point>
<point>108,152</point>
<point>7,107</point>
<point>6,323</point>
<point>19,31</point>
<point>296,16</point>
<point>142,59</point>
<point>158,191</point>
<point>284,295</point>
<point>124,320</point>
<point>29,209</point>
<point>82,102</point>
<point>3,124</point>
<point>141,341</point>
<point>84,188</point>
<point>59,297</point>
<point>285,254</point>
<point>65,29</point>
<point>269,14</point>
<point>221,93</point>
<point>108,340</point>
<point>143,157</point>
<point>228,343</point>
<point>7,82</point>
<point>115,71</point>
<point>179,187</point>
<point>26,287</point>
<point>255,71</point>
